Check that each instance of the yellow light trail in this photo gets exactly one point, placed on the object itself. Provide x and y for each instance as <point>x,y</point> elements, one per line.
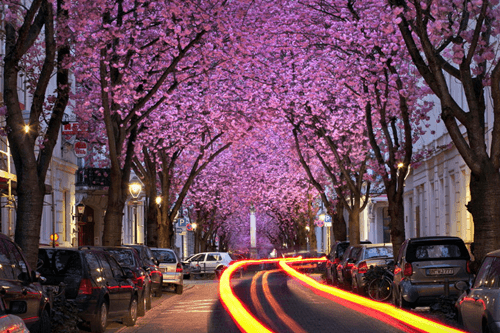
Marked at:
<point>401,319</point>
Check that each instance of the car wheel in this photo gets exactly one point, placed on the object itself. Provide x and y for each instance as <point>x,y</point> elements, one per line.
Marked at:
<point>131,316</point>
<point>98,323</point>
<point>402,303</point>
<point>159,292</point>
<point>141,308</point>
<point>484,326</point>
<point>179,289</point>
<point>149,299</point>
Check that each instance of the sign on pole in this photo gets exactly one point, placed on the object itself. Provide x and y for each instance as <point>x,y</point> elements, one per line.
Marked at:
<point>81,148</point>
<point>182,222</point>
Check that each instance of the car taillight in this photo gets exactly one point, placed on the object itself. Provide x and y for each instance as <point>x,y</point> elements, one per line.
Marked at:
<point>408,269</point>
<point>178,268</point>
<point>363,267</point>
<point>85,287</point>
<point>397,270</point>
<point>469,270</point>
<point>349,266</point>
<point>336,261</point>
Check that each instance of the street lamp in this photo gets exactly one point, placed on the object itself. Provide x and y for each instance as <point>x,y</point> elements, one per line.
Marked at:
<point>158,201</point>
<point>135,188</point>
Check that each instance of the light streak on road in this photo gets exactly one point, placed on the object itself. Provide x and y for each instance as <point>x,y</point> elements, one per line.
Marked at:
<point>378,310</point>
<point>401,319</point>
<point>261,313</point>
<point>286,319</point>
<point>244,319</point>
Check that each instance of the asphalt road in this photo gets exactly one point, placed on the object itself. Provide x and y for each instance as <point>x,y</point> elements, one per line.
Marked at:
<point>282,304</point>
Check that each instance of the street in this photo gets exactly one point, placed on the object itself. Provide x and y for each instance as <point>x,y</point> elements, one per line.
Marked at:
<point>280,303</point>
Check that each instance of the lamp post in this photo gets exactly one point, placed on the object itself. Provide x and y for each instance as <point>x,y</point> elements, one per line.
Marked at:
<point>135,188</point>
<point>80,208</point>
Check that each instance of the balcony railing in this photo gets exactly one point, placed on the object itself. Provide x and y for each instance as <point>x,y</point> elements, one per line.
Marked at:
<point>93,177</point>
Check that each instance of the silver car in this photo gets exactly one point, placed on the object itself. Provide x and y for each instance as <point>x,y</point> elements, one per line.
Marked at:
<point>479,308</point>
<point>170,268</point>
<point>371,255</point>
<point>427,268</point>
<point>206,263</point>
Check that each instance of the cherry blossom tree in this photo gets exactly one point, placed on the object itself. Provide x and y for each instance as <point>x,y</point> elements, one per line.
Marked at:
<point>454,45</point>
<point>36,48</point>
<point>134,55</point>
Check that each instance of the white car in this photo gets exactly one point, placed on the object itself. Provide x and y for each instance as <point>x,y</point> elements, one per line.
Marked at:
<point>206,263</point>
<point>170,268</point>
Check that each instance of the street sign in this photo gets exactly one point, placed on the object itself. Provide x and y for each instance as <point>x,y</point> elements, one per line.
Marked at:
<point>179,230</point>
<point>182,222</point>
<point>328,219</point>
<point>189,227</point>
<point>81,148</point>
<point>328,224</point>
<point>319,223</point>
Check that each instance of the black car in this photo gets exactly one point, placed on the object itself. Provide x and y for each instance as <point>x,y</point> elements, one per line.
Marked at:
<point>101,289</point>
<point>129,259</point>
<point>333,259</point>
<point>20,288</point>
<point>149,262</point>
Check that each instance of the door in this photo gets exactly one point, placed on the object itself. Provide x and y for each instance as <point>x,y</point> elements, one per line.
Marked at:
<point>212,261</point>
<point>115,303</point>
<point>473,305</point>
<point>22,297</point>
<point>126,289</point>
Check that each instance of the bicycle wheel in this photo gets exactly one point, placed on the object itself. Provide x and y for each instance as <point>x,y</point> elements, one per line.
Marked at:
<point>380,289</point>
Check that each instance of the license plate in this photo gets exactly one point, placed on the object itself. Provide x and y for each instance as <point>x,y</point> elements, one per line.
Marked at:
<point>441,271</point>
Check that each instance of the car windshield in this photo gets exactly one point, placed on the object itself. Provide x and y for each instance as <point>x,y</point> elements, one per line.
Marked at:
<point>124,257</point>
<point>164,256</point>
<point>432,250</point>
<point>381,251</point>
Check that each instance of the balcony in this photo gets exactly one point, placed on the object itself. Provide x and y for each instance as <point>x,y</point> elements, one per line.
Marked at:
<point>93,177</point>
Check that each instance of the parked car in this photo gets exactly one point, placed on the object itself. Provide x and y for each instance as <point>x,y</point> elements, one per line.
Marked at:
<point>129,259</point>
<point>206,263</point>
<point>333,258</point>
<point>427,268</point>
<point>371,255</point>
<point>101,289</point>
<point>20,288</point>
<point>10,323</point>
<point>170,267</point>
<point>478,308</point>
<point>344,267</point>
<point>151,265</point>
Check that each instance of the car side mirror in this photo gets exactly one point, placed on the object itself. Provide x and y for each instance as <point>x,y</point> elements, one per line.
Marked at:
<point>128,273</point>
<point>462,286</point>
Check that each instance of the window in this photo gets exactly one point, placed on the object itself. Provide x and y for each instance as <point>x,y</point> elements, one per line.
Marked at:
<point>124,257</point>
<point>164,256</point>
<point>492,279</point>
<point>378,252</point>
<point>5,264</point>
<point>212,257</point>
<point>19,266</point>
<point>94,266</point>
<point>115,268</point>
<point>106,268</point>
<point>483,271</point>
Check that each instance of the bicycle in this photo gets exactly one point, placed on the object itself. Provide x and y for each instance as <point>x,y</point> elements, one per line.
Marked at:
<point>380,286</point>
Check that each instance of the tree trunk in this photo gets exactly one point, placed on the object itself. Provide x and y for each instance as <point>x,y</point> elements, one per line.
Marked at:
<point>163,238</point>
<point>396,213</point>
<point>339,227</point>
<point>354,237</point>
<point>113,220</point>
<point>484,207</point>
